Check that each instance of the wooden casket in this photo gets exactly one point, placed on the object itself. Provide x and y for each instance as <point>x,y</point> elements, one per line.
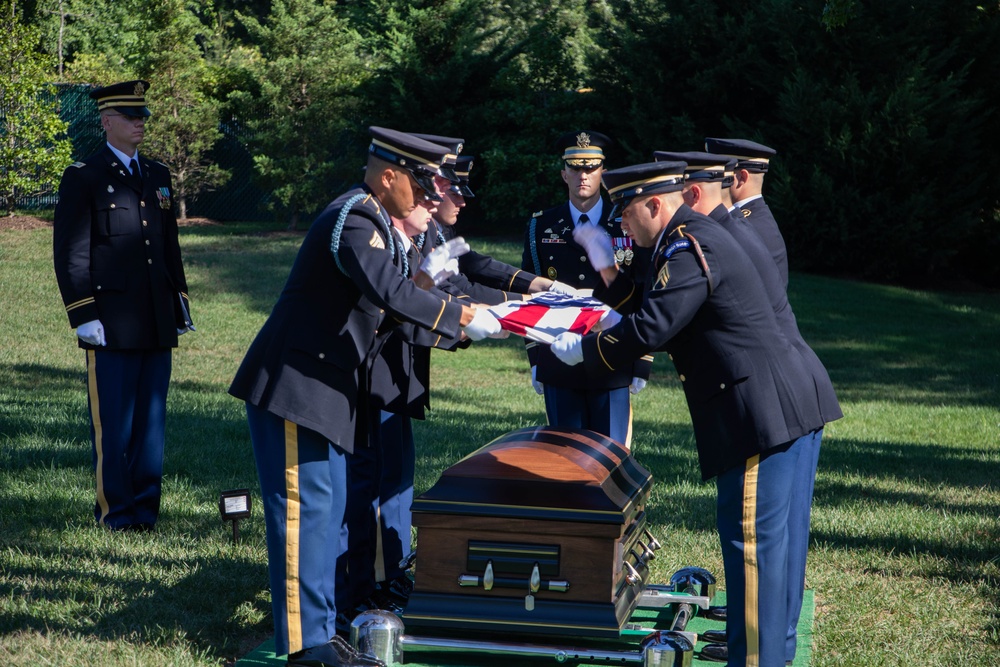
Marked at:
<point>540,532</point>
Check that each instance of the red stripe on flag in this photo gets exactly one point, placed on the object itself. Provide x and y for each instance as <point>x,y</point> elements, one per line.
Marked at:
<point>523,318</point>
<point>585,321</point>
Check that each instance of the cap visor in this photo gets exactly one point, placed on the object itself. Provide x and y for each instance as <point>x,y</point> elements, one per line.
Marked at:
<point>134,112</point>
<point>449,173</point>
<point>426,182</point>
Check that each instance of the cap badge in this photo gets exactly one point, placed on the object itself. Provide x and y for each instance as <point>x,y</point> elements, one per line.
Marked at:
<point>459,148</point>
<point>140,89</point>
<point>583,140</point>
<point>110,189</point>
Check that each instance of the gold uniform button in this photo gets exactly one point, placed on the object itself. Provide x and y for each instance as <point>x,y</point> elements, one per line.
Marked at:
<point>112,206</point>
<point>142,203</point>
<point>583,258</point>
<point>683,378</point>
<point>722,386</point>
<point>98,287</point>
<point>322,355</point>
<point>583,277</point>
<point>144,223</point>
<point>147,241</point>
<point>150,261</point>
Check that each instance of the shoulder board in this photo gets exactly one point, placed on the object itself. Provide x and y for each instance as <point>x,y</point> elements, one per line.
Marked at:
<point>369,202</point>
<point>79,164</point>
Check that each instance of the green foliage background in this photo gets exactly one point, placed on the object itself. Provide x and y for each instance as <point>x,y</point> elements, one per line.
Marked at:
<point>884,114</point>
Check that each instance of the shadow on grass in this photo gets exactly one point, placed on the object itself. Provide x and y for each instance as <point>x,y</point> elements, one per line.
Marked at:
<point>940,470</point>
<point>144,611</point>
<point>887,343</point>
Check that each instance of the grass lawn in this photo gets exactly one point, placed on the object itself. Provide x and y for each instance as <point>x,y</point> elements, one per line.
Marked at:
<point>905,559</point>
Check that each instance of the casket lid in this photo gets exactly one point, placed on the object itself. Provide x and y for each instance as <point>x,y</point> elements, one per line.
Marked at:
<point>543,473</point>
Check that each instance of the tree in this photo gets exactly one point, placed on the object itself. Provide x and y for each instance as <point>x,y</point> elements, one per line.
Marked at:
<point>502,74</point>
<point>33,146</point>
<point>310,66</point>
<point>185,122</point>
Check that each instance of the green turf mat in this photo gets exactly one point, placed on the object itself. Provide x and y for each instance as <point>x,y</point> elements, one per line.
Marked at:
<point>263,655</point>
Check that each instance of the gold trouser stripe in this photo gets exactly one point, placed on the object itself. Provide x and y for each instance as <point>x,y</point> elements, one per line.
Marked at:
<point>379,545</point>
<point>95,418</point>
<point>628,434</point>
<point>293,604</point>
<point>750,564</point>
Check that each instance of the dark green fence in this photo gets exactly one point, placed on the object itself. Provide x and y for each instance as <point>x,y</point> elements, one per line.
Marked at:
<point>238,199</point>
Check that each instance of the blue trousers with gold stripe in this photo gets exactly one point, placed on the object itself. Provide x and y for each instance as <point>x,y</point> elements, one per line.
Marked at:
<point>127,399</point>
<point>798,534</point>
<point>376,534</point>
<point>752,516</point>
<point>606,411</point>
<point>303,486</point>
<point>395,495</point>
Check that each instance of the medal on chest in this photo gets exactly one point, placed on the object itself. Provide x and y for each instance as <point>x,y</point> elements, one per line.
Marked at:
<point>622,246</point>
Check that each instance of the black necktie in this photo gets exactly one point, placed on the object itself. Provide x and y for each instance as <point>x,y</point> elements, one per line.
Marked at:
<point>583,219</point>
<point>133,166</point>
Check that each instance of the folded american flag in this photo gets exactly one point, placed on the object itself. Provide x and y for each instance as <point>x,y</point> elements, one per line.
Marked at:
<point>546,315</point>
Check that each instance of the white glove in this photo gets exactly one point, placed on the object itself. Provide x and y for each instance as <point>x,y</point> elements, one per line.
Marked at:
<point>539,387</point>
<point>562,288</point>
<point>92,332</point>
<point>483,324</point>
<point>442,262</point>
<point>597,243</point>
<point>638,384</point>
<point>568,348</point>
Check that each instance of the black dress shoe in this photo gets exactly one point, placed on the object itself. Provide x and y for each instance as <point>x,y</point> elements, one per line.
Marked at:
<point>716,613</point>
<point>714,636</point>
<point>715,653</point>
<point>335,653</point>
<point>398,590</point>
<point>380,600</point>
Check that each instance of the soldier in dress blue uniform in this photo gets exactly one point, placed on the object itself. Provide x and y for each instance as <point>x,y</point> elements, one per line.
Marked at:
<point>705,182</point>
<point>753,160</point>
<point>751,396</point>
<point>306,382</point>
<point>379,523</point>
<point>481,278</point>
<point>118,264</point>
<point>572,399</point>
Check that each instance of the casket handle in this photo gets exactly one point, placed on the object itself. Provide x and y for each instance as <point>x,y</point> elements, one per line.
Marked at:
<point>631,575</point>
<point>488,576</point>
<point>654,544</point>
<point>489,581</point>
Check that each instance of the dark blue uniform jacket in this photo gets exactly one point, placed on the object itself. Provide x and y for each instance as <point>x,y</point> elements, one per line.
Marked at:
<point>747,389</point>
<point>311,361</point>
<point>116,253</point>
